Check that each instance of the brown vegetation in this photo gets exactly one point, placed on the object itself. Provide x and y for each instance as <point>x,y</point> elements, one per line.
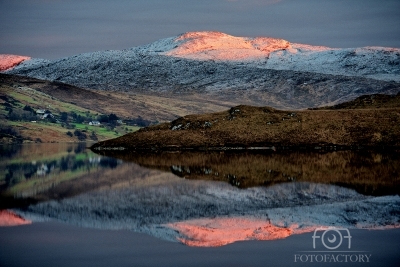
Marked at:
<point>246,126</point>
<point>369,101</point>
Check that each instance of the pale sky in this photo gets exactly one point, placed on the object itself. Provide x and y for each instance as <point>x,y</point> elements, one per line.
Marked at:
<point>57,28</point>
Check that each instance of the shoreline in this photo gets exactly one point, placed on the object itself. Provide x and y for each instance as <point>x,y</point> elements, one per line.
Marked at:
<point>269,147</point>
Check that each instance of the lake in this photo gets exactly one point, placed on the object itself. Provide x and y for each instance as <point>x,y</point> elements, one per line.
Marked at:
<point>187,200</point>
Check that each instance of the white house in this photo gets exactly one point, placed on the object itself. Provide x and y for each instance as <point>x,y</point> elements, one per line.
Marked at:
<point>95,123</point>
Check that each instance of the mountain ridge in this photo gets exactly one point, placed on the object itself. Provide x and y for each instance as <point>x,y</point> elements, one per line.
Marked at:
<point>271,53</point>
<point>270,71</point>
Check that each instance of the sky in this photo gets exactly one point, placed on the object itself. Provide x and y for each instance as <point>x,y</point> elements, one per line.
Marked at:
<point>53,29</point>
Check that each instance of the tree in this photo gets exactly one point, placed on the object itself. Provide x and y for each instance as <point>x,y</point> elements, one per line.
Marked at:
<point>73,114</point>
<point>21,115</point>
<point>112,117</point>
<point>63,116</point>
<point>81,136</point>
<point>79,119</point>
<point>29,109</point>
<point>103,118</point>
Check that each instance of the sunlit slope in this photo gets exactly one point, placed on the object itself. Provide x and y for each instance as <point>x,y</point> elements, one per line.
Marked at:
<point>10,61</point>
<point>224,47</point>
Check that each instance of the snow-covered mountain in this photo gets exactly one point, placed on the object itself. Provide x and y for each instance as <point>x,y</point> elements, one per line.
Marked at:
<point>270,53</point>
<point>266,71</point>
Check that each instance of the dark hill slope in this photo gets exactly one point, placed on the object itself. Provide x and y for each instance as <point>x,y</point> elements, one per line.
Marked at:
<point>246,126</point>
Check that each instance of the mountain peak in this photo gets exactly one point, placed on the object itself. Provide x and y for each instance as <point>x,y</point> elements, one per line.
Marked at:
<point>210,45</point>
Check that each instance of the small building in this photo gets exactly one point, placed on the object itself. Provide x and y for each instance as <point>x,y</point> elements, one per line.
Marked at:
<point>47,115</point>
<point>40,111</point>
<point>95,123</point>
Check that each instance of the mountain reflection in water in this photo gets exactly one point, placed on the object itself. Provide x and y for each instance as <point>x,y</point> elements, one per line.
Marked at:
<point>368,172</point>
<point>225,197</point>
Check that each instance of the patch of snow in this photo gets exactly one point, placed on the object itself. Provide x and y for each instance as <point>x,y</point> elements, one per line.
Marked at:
<point>32,63</point>
<point>372,62</point>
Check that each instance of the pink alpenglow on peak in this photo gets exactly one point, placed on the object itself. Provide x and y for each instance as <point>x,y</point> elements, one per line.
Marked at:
<point>8,218</point>
<point>10,61</point>
<point>224,47</point>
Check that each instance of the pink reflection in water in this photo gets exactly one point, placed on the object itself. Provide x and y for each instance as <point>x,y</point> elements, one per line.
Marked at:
<point>8,218</point>
<point>222,231</point>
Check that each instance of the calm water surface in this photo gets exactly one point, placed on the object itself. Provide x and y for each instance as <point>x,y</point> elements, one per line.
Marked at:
<point>181,196</point>
<point>54,171</point>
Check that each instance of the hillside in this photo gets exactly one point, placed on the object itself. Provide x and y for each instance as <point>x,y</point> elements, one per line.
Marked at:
<point>246,127</point>
<point>124,104</point>
<point>64,113</point>
<point>214,66</point>
<point>128,106</point>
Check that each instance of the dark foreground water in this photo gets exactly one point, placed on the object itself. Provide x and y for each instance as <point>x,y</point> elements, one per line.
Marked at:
<point>56,244</point>
<point>64,201</point>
